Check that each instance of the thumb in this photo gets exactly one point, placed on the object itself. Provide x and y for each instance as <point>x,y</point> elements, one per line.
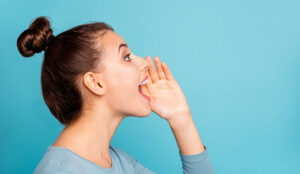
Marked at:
<point>145,91</point>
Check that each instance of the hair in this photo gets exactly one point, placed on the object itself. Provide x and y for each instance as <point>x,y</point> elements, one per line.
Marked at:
<point>66,57</point>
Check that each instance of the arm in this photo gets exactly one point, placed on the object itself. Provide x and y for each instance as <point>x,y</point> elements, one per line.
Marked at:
<point>186,135</point>
<point>168,102</point>
<point>193,153</point>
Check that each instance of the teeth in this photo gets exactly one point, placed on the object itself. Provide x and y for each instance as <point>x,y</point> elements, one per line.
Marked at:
<point>143,83</point>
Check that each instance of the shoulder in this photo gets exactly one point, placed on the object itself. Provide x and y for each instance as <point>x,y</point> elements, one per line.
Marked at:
<point>57,160</point>
<point>50,162</point>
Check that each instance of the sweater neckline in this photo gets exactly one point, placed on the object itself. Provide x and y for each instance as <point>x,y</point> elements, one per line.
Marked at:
<point>111,169</point>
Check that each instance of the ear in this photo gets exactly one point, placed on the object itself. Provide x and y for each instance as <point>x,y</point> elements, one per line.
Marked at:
<point>94,82</point>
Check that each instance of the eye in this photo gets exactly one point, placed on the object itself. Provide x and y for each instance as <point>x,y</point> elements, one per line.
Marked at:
<point>128,57</point>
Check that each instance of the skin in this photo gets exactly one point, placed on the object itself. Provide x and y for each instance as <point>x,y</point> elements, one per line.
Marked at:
<point>117,97</point>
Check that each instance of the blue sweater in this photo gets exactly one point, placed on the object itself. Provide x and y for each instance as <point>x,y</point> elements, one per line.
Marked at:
<point>59,160</point>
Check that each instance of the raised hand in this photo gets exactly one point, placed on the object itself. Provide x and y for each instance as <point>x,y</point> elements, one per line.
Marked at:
<point>167,98</point>
<point>168,102</point>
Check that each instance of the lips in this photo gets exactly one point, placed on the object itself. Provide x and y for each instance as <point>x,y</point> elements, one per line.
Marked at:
<point>145,96</point>
<point>144,79</point>
<point>140,91</point>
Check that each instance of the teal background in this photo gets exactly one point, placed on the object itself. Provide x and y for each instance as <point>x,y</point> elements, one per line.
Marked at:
<point>238,63</point>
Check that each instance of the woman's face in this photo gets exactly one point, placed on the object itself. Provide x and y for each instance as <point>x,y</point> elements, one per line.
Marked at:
<point>123,76</point>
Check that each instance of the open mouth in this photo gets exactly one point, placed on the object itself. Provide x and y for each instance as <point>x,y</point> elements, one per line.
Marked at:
<point>140,91</point>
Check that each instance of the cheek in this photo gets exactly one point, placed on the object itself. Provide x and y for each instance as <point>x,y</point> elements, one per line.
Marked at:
<point>123,85</point>
<point>125,79</point>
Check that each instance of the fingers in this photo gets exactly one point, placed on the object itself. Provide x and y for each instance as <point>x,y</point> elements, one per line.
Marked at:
<point>152,71</point>
<point>160,72</point>
<point>145,90</point>
<point>167,71</point>
<point>150,81</point>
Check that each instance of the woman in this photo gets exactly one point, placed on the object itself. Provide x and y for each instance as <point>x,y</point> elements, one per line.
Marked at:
<point>91,81</point>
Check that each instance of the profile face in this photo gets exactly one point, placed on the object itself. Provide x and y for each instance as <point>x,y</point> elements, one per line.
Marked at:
<point>122,77</point>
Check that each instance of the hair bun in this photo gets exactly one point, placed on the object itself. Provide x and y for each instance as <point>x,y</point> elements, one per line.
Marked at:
<point>36,38</point>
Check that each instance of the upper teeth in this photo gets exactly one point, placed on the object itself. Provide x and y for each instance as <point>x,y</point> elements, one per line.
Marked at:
<point>144,82</point>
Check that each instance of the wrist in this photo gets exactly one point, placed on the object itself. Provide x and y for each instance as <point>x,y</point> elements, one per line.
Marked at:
<point>181,121</point>
<point>186,134</point>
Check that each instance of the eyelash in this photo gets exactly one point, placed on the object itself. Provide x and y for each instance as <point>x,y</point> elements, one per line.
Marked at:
<point>128,56</point>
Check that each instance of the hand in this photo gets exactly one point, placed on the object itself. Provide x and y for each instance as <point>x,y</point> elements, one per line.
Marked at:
<point>167,98</point>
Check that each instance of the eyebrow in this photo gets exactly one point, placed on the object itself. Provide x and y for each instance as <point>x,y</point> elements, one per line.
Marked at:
<point>122,45</point>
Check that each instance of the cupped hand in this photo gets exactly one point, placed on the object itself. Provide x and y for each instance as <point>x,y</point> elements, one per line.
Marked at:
<point>167,98</point>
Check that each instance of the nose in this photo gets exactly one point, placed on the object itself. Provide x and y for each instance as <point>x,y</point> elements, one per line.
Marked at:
<point>143,64</point>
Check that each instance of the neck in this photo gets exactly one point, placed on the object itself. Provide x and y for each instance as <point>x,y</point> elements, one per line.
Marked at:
<point>91,134</point>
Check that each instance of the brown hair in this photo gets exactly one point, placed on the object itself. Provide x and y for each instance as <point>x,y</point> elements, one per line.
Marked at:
<point>67,55</point>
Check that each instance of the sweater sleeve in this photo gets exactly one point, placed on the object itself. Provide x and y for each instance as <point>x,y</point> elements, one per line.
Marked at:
<point>196,164</point>
<point>191,164</point>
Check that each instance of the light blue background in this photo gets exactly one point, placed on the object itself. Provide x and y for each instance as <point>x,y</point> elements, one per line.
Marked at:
<point>237,61</point>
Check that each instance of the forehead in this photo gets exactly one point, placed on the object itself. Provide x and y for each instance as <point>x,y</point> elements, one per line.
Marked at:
<point>110,43</point>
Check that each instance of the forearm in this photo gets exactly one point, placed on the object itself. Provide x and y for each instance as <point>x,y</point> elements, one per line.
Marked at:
<point>186,135</point>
